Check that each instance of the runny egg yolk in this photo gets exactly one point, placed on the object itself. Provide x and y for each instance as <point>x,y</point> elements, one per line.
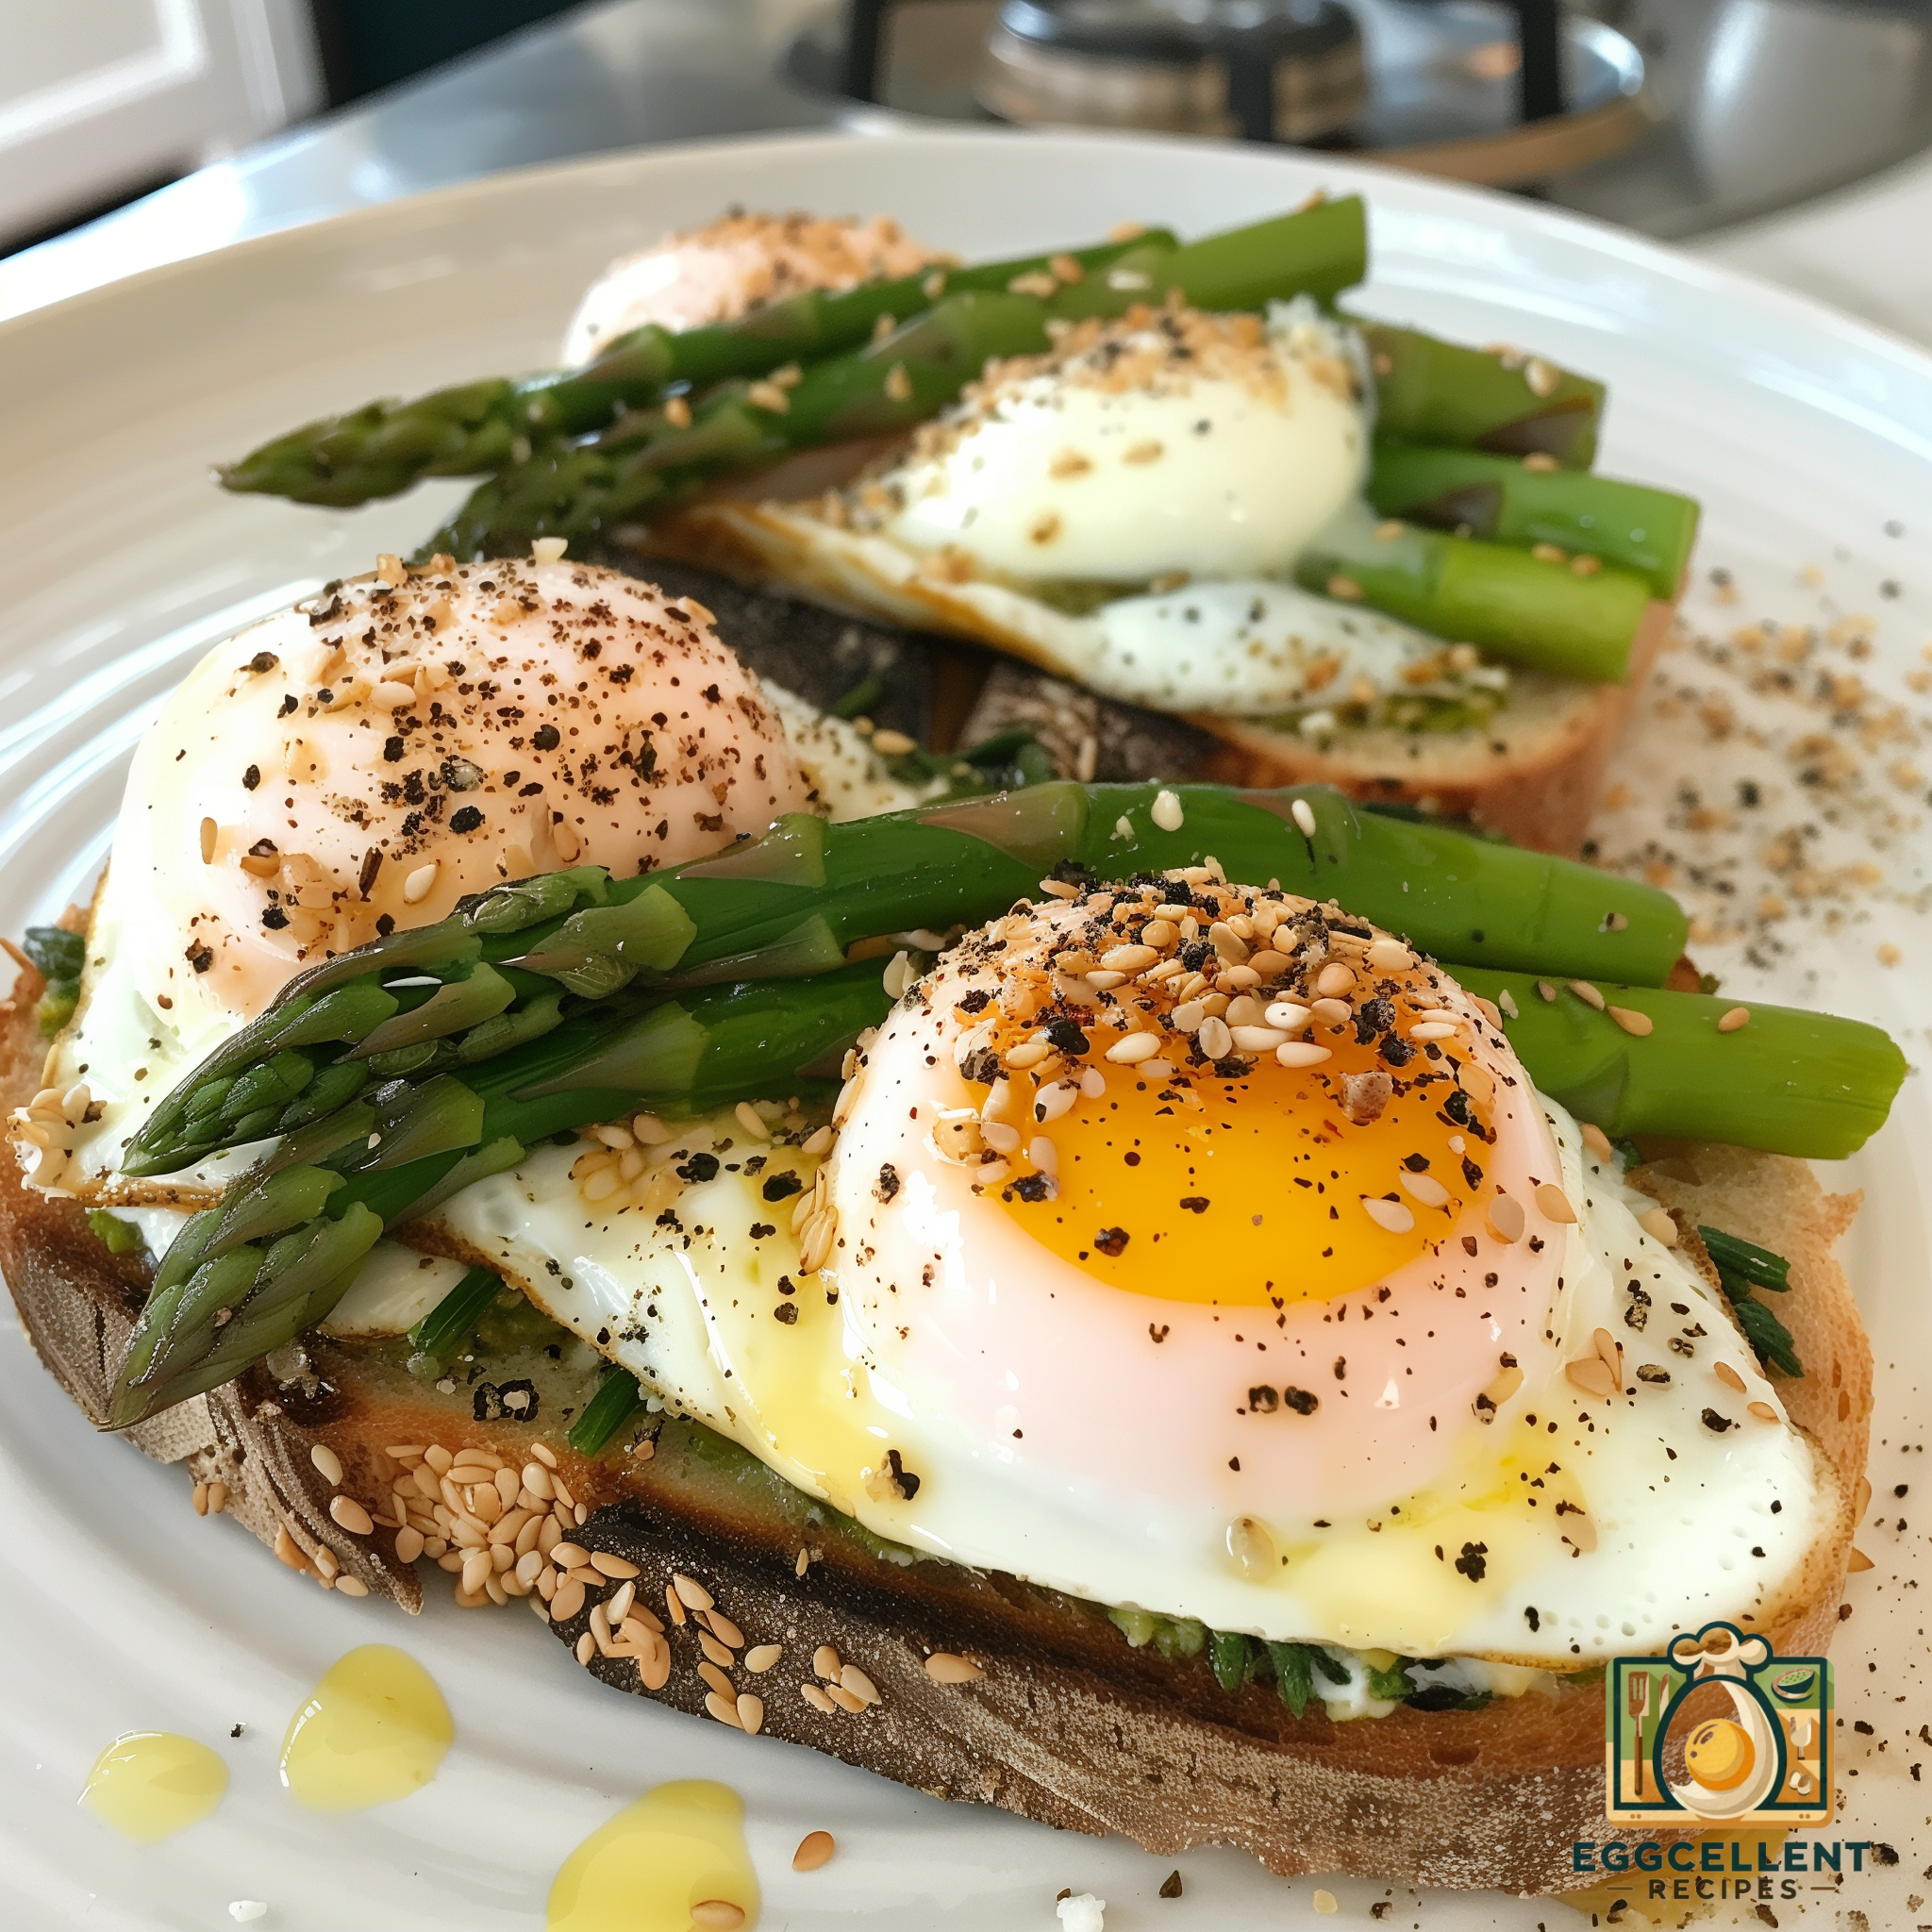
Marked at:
<point>1250,1192</point>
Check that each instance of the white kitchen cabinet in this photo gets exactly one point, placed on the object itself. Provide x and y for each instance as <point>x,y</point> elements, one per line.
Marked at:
<point>98,97</point>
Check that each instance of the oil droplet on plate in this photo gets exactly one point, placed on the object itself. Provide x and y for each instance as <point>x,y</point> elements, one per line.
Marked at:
<point>673,1861</point>
<point>373,1730</point>
<point>148,1785</point>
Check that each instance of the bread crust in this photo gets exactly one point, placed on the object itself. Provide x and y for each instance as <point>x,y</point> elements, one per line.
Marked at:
<point>1068,1726</point>
<point>1534,774</point>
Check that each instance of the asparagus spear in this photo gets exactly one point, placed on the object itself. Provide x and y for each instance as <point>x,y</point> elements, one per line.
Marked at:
<point>1500,499</point>
<point>1787,1081</point>
<point>451,1319</point>
<point>285,1243</point>
<point>474,427</point>
<point>617,1400</point>
<point>1533,611</point>
<point>793,902</point>
<point>1429,391</point>
<point>645,462</point>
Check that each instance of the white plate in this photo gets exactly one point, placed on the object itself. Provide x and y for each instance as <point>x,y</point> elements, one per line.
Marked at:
<point>1802,432</point>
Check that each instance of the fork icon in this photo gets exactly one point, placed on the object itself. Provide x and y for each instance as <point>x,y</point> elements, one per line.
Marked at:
<point>1636,1690</point>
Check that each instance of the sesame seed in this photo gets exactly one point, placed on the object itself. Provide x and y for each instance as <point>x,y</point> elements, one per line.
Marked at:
<point>944,1667</point>
<point>351,1586</point>
<point>328,1464</point>
<point>549,549</point>
<point>751,1711</point>
<point>585,1648</point>
<point>817,1698</point>
<point>1390,1215</point>
<point>420,883</point>
<point>1592,1374</point>
<point>1633,1023</point>
<point>845,1700</point>
<point>351,1515</point>
<point>761,1657</point>
<point>1505,1219</point>
<point>1301,1053</point>
<point>1252,1547</point>
<point>1762,1410</point>
<point>814,1850</point>
<point>898,384</point>
<point>691,1592</point>
<point>1658,1223</point>
<point>1132,1047</point>
<point>1728,1376</point>
<point>1344,589</point>
<point>1166,811</point>
<point>1597,1141</point>
<point>1424,1187</point>
<point>714,1675</point>
<point>723,1708</point>
<point>1553,1204</point>
<point>1730,1022</point>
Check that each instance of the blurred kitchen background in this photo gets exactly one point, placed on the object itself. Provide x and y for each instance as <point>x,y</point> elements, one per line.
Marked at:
<point>1793,137</point>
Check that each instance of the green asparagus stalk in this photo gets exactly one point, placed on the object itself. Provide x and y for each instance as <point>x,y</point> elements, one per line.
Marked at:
<point>1500,499</point>
<point>646,461</point>
<point>1500,400</point>
<point>284,1245</point>
<point>793,902</point>
<point>1533,611</point>
<point>451,1319</point>
<point>480,427</point>
<point>476,427</point>
<point>617,1400</point>
<point>1655,1062</point>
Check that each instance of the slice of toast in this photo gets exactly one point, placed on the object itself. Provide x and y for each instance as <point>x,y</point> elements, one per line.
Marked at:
<point>969,1685</point>
<point>1532,773</point>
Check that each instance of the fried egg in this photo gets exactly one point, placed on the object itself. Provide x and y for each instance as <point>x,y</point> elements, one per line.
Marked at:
<point>1127,511</point>
<point>1198,1250</point>
<point>359,763</point>
<point>362,762</point>
<point>1173,442</point>
<point>716,274</point>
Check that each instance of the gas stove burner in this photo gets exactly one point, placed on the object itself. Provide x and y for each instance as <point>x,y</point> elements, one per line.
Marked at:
<point>1266,70</point>
<point>1500,91</point>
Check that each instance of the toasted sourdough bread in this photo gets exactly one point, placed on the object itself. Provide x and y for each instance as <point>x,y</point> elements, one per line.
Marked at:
<point>1068,1724</point>
<point>1532,773</point>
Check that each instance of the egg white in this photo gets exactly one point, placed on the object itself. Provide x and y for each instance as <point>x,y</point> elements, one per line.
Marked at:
<point>690,1310</point>
<point>1062,475</point>
<point>129,1053</point>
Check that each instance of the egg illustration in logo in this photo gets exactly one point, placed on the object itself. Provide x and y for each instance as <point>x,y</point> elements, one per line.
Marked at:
<point>1732,1761</point>
<point>1720,1755</point>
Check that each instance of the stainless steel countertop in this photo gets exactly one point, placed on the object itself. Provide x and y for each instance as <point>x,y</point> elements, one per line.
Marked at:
<point>633,72</point>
